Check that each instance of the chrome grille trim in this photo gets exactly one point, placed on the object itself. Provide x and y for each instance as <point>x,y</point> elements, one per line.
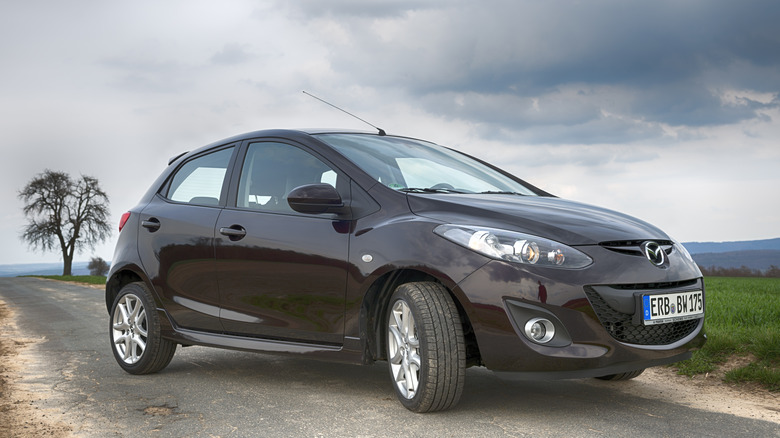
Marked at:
<point>632,247</point>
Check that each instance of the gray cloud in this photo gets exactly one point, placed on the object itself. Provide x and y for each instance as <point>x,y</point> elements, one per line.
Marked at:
<point>310,9</point>
<point>656,62</point>
<point>151,71</point>
<point>232,54</point>
<point>584,98</point>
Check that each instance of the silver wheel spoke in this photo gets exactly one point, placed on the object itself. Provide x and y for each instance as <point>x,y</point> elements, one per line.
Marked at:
<point>134,308</point>
<point>398,321</point>
<point>137,347</point>
<point>394,345</point>
<point>414,359</point>
<point>411,377</point>
<point>128,347</point>
<point>129,329</point>
<point>403,349</point>
<point>123,311</point>
<point>407,320</point>
<point>139,342</point>
<point>399,374</point>
<point>141,316</point>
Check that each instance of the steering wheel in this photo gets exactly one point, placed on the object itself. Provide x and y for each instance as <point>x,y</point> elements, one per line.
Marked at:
<point>443,186</point>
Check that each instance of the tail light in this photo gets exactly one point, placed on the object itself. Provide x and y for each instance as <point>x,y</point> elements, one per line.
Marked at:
<point>123,220</point>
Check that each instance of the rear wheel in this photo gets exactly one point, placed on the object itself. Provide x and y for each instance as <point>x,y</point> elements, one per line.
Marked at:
<point>622,376</point>
<point>425,348</point>
<point>134,330</point>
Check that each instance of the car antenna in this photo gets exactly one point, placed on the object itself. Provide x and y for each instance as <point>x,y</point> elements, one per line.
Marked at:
<point>381,131</point>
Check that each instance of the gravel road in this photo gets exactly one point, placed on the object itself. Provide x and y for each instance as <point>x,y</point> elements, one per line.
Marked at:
<point>65,376</point>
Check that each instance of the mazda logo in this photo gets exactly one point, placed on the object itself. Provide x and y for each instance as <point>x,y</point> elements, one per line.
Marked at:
<point>654,253</point>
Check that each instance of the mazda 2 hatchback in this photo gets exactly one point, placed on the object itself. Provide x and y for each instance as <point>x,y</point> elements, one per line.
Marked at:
<point>356,247</point>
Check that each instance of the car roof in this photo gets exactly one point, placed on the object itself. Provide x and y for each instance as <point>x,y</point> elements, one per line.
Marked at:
<point>292,133</point>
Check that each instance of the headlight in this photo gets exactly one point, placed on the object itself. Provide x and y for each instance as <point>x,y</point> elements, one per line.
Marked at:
<point>515,247</point>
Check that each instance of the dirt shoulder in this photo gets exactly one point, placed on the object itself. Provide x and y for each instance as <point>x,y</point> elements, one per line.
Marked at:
<point>706,392</point>
<point>18,415</point>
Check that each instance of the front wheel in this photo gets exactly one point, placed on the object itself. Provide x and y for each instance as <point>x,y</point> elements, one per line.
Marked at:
<point>425,347</point>
<point>134,330</point>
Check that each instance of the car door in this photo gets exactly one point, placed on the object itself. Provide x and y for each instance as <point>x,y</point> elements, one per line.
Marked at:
<point>282,274</point>
<point>176,239</point>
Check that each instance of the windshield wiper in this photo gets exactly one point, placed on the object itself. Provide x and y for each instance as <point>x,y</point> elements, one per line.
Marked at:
<point>428,190</point>
<point>497,192</point>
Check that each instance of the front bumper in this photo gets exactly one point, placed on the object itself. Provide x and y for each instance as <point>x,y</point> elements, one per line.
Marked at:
<point>595,338</point>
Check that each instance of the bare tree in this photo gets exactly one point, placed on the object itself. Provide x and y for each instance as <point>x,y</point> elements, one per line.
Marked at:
<point>64,212</point>
<point>98,266</point>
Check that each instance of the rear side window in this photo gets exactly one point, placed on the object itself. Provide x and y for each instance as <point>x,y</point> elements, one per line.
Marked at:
<point>200,181</point>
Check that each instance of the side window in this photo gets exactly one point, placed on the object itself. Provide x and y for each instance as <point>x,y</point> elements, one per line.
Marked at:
<point>200,181</point>
<point>272,170</point>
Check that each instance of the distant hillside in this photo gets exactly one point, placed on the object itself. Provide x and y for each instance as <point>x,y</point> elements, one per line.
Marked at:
<point>721,247</point>
<point>78,268</point>
<point>755,254</point>
<point>760,259</point>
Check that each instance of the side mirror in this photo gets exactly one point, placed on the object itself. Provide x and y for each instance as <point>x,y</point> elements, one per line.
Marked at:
<point>315,198</point>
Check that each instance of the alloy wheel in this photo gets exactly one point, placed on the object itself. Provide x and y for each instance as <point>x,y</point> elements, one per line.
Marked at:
<point>130,329</point>
<point>404,349</point>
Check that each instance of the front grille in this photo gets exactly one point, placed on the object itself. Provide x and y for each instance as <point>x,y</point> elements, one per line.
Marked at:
<point>633,247</point>
<point>621,325</point>
<point>648,286</point>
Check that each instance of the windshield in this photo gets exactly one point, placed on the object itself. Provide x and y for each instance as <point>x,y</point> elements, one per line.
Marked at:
<point>413,165</point>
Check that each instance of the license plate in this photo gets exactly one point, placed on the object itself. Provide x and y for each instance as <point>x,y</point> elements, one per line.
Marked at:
<point>661,309</point>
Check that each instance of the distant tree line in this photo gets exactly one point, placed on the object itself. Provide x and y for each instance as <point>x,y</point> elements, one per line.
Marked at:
<point>98,267</point>
<point>742,271</point>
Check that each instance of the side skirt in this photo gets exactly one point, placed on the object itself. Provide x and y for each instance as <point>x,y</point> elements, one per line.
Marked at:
<point>330,353</point>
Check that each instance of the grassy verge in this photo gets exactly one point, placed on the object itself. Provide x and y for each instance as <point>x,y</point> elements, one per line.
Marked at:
<point>89,279</point>
<point>743,318</point>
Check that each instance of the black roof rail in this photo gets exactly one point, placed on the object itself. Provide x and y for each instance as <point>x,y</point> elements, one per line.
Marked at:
<point>176,157</point>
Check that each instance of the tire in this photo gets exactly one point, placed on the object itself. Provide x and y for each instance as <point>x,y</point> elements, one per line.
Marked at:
<point>622,376</point>
<point>426,352</point>
<point>134,330</point>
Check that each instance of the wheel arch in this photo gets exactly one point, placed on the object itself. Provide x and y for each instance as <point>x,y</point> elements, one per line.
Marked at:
<point>119,279</point>
<point>377,300</point>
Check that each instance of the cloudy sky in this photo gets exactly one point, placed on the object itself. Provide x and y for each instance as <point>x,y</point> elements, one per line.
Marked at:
<point>666,110</point>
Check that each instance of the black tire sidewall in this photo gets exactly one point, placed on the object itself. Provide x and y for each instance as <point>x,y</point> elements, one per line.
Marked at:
<point>430,306</point>
<point>413,403</point>
<point>153,339</point>
<point>622,376</point>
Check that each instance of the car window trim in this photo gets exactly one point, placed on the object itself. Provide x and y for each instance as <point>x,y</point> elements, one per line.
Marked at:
<point>239,158</point>
<point>163,192</point>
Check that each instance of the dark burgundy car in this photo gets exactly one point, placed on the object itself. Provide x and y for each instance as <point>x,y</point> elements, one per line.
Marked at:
<point>357,247</point>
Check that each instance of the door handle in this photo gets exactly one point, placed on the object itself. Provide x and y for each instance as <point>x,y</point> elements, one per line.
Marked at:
<point>152,224</point>
<point>233,232</point>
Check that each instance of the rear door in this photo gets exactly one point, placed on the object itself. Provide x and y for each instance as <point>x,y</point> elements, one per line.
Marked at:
<point>176,239</point>
<point>282,274</point>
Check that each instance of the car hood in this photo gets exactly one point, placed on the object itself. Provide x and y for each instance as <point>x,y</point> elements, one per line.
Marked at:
<point>568,222</point>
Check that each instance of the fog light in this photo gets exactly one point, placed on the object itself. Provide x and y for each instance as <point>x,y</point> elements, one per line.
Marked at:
<point>540,330</point>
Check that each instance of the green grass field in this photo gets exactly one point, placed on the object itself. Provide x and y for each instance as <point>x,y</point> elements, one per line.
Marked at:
<point>90,279</point>
<point>742,318</point>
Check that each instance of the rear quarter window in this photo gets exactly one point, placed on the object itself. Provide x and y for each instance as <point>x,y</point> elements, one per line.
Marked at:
<point>200,180</point>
